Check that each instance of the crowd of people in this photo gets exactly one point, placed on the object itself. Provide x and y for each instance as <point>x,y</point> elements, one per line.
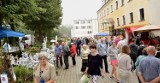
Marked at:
<point>97,54</point>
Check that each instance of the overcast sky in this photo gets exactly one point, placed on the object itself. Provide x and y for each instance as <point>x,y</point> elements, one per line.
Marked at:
<point>79,9</point>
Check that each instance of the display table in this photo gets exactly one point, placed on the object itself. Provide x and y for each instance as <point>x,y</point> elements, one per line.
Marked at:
<point>13,49</point>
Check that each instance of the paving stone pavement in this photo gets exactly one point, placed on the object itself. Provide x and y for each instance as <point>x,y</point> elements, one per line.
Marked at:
<point>73,74</point>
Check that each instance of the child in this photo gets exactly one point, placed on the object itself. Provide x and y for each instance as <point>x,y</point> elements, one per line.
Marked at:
<point>95,67</point>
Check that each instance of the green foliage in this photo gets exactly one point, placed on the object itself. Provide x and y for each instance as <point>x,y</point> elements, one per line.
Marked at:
<point>23,74</point>
<point>13,11</point>
<point>47,20</point>
<point>33,50</point>
<point>40,16</point>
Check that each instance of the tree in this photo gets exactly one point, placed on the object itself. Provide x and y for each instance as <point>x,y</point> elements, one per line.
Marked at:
<point>13,11</point>
<point>47,20</point>
<point>37,15</point>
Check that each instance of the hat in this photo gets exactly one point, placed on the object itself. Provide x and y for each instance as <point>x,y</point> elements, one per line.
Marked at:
<point>42,54</point>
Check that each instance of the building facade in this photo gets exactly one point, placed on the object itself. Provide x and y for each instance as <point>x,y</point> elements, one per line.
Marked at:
<point>84,28</point>
<point>115,14</point>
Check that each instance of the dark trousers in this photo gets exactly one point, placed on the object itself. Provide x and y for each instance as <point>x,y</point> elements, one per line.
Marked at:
<point>59,59</point>
<point>73,60</point>
<point>104,58</point>
<point>84,65</point>
<point>78,49</point>
<point>66,61</point>
<point>134,58</point>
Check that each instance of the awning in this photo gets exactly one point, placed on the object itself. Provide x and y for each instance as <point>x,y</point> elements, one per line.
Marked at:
<point>9,33</point>
<point>102,34</point>
<point>148,28</point>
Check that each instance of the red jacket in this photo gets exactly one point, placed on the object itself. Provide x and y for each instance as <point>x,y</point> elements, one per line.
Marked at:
<point>73,49</point>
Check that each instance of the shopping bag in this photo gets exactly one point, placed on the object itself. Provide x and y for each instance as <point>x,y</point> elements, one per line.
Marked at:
<point>4,78</point>
<point>84,79</point>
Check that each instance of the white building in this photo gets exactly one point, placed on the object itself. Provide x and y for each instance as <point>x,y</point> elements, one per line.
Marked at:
<point>84,28</point>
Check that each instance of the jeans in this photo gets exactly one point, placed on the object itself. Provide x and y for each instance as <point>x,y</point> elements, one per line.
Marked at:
<point>84,64</point>
<point>59,59</point>
<point>78,49</point>
<point>66,61</point>
<point>134,58</point>
<point>105,62</point>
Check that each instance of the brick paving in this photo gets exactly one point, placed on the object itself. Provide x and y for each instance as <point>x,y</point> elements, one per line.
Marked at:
<point>73,74</point>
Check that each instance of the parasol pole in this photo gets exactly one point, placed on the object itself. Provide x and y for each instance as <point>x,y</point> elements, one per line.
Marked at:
<point>7,46</point>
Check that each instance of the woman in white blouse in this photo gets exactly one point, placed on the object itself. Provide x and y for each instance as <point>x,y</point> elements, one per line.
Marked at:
<point>124,64</point>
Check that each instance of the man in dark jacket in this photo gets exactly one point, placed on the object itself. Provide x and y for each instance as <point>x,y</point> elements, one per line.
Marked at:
<point>138,39</point>
<point>78,49</point>
<point>134,52</point>
<point>65,53</point>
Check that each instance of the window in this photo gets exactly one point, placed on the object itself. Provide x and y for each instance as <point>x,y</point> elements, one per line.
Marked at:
<point>89,27</point>
<point>76,27</point>
<point>107,11</point>
<point>122,2</point>
<point>141,11</point>
<point>101,15</point>
<point>116,4</point>
<point>111,8</point>
<point>129,1</point>
<point>124,20</point>
<point>89,32</point>
<point>131,17</point>
<point>76,22</point>
<point>82,21</point>
<point>118,22</point>
<point>104,13</point>
<point>83,27</point>
<point>89,21</point>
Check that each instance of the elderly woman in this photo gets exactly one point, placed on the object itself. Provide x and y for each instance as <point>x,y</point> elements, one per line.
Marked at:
<point>124,64</point>
<point>84,55</point>
<point>44,72</point>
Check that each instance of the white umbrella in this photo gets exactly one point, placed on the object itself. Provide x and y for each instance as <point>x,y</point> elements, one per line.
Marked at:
<point>148,28</point>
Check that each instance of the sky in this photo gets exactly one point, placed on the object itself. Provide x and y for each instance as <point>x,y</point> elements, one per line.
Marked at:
<point>79,9</point>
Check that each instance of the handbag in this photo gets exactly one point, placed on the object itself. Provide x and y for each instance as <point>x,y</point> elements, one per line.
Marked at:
<point>84,79</point>
<point>68,53</point>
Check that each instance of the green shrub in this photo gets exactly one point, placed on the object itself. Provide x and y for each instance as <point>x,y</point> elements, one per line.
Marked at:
<point>23,75</point>
<point>33,50</point>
